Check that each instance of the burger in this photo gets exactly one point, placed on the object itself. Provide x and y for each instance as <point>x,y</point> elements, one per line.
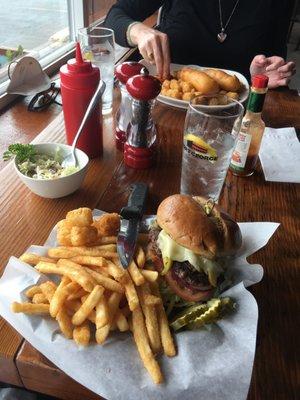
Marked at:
<point>188,241</point>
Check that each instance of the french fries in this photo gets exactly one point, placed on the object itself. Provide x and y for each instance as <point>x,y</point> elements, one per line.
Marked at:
<point>76,273</point>
<point>112,305</point>
<point>151,300</point>
<point>102,313</point>
<point>39,298</point>
<point>106,282</point>
<point>130,291</point>
<point>58,298</point>
<point>121,322</point>
<point>96,296</point>
<point>141,340</point>
<point>89,260</point>
<point>140,257</point>
<point>165,334</point>
<point>88,305</point>
<point>65,322</point>
<point>150,276</point>
<point>82,334</point>
<point>135,274</point>
<point>29,308</point>
<point>102,333</point>
<point>33,259</point>
<point>151,321</point>
<point>32,291</point>
<point>48,289</point>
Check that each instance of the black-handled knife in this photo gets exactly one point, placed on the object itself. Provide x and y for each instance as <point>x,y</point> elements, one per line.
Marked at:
<point>131,216</point>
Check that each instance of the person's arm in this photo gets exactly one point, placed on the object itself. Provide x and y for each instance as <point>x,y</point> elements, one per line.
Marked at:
<point>153,45</point>
<point>125,12</point>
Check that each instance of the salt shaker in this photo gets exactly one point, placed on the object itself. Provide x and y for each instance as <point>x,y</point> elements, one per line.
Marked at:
<point>139,149</point>
<point>123,72</point>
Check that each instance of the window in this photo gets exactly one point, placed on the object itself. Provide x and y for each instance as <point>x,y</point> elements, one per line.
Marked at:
<point>46,30</point>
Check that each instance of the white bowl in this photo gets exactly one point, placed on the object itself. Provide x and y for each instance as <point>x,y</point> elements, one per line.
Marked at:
<point>58,187</point>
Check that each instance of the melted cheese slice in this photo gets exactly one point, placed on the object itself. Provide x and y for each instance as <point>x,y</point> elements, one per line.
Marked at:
<point>172,251</point>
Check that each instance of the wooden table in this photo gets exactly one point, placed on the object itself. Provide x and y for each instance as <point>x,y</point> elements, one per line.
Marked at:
<point>27,219</point>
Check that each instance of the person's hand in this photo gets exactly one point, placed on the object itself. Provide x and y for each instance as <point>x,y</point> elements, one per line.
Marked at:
<point>278,71</point>
<point>153,46</point>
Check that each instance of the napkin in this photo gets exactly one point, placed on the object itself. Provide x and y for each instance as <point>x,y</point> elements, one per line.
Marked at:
<point>280,155</point>
<point>212,363</point>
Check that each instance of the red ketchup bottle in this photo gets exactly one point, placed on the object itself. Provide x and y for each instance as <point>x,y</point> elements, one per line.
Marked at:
<point>79,81</point>
<point>123,72</point>
<point>139,149</point>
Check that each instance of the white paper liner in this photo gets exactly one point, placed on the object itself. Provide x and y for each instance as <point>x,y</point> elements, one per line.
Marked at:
<point>214,363</point>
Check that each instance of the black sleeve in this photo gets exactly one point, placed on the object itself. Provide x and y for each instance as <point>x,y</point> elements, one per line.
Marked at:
<point>124,12</point>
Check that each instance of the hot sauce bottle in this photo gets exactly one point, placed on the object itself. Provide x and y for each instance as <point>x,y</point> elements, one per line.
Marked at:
<point>245,155</point>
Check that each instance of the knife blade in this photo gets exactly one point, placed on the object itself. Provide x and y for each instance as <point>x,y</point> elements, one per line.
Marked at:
<point>131,216</point>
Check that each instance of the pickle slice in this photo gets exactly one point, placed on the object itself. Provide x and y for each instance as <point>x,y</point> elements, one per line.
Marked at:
<point>209,316</point>
<point>198,315</point>
<point>216,310</point>
<point>188,315</point>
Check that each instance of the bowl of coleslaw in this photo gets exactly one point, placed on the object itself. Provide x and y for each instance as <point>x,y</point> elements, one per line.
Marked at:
<point>42,171</point>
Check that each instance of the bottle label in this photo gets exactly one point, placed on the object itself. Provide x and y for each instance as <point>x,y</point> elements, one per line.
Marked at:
<point>256,101</point>
<point>198,148</point>
<point>239,156</point>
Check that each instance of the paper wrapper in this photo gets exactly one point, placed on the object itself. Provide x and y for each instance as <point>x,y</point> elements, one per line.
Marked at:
<point>214,362</point>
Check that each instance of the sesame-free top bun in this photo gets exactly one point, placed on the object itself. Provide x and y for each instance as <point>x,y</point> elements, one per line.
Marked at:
<point>185,221</point>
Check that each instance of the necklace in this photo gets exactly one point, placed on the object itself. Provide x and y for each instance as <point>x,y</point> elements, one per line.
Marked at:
<point>222,35</point>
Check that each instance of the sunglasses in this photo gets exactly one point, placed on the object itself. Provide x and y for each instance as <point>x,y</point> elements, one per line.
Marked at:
<point>43,100</point>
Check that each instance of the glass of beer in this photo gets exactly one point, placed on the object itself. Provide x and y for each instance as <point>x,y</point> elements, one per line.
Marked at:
<point>210,133</point>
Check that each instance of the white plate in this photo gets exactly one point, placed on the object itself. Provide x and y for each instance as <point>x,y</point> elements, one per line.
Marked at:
<point>183,103</point>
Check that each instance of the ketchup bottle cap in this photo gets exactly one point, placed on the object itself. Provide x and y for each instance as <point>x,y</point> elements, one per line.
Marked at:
<point>260,81</point>
<point>144,86</point>
<point>77,64</point>
<point>78,73</point>
<point>126,70</point>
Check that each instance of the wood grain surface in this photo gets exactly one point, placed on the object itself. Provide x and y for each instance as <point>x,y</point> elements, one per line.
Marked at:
<point>107,185</point>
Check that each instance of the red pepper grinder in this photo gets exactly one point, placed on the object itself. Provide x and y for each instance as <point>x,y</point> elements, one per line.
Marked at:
<point>123,72</point>
<point>79,81</point>
<point>139,149</point>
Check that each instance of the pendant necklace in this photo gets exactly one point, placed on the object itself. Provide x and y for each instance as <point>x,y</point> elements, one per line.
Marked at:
<point>222,35</point>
